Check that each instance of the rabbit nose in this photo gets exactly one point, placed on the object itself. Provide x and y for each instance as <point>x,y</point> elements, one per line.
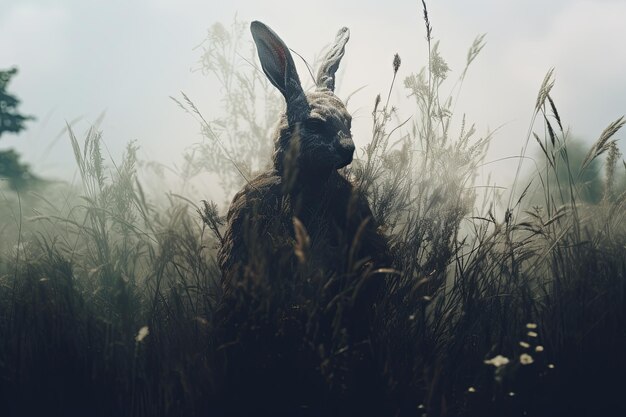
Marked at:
<point>349,150</point>
<point>346,151</point>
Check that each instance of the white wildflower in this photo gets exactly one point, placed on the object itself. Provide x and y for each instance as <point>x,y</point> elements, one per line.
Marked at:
<point>526,359</point>
<point>143,332</point>
<point>497,361</point>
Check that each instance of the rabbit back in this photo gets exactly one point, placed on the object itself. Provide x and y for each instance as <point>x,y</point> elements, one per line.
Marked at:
<point>260,237</point>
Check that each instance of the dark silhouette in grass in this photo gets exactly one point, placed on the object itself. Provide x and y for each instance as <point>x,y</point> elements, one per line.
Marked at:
<point>300,259</point>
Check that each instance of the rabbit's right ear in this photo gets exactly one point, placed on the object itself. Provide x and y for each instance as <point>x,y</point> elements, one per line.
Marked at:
<point>330,64</point>
<point>277,64</point>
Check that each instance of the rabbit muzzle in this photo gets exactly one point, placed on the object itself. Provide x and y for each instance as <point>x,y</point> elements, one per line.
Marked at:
<point>345,151</point>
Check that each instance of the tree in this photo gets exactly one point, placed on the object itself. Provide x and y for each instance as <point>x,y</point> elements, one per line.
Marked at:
<point>11,121</point>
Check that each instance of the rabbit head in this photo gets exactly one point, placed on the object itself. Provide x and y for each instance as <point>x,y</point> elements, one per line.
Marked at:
<point>318,118</point>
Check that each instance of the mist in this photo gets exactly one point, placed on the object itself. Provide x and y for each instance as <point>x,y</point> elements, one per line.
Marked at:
<point>120,62</point>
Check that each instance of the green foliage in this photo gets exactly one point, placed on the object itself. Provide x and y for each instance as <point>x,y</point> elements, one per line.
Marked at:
<point>11,121</point>
<point>15,172</point>
<point>564,163</point>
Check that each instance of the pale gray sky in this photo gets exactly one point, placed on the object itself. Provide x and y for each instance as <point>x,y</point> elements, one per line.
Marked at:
<point>79,58</point>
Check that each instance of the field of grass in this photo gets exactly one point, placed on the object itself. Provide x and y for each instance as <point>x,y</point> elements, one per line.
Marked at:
<point>499,302</point>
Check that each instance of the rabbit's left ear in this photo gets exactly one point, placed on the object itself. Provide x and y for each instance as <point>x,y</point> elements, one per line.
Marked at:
<point>278,65</point>
<point>330,64</point>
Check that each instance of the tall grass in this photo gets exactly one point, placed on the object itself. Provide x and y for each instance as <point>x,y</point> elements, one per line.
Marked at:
<point>110,302</point>
<point>86,279</point>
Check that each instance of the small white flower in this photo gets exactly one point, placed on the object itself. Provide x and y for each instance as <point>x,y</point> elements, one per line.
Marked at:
<point>551,365</point>
<point>526,359</point>
<point>524,345</point>
<point>497,361</point>
<point>471,389</point>
<point>143,332</point>
<point>531,326</point>
<point>532,334</point>
<point>539,348</point>
<point>511,394</point>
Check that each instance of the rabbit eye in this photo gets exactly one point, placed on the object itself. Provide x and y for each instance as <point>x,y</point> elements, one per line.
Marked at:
<point>316,125</point>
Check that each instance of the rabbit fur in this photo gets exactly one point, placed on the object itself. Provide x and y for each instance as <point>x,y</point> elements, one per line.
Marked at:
<point>336,230</point>
<point>298,238</point>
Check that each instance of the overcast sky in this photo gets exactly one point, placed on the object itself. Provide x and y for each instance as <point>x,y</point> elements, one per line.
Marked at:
<point>79,58</point>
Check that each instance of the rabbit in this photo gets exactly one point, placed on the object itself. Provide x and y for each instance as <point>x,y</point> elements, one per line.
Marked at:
<point>298,237</point>
<point>312,142</point>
